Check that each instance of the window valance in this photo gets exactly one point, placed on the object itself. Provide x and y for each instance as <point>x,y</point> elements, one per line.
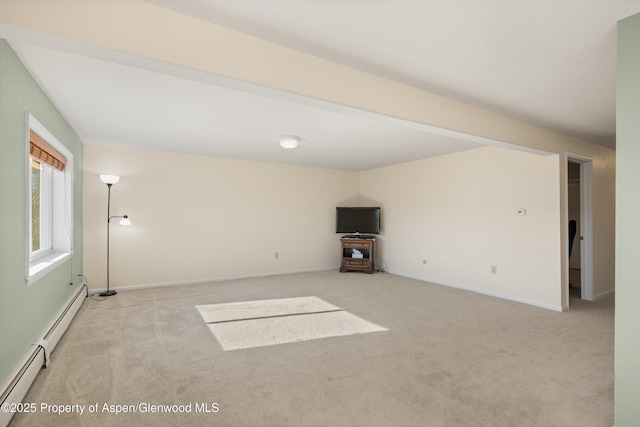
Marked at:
<point>41,150</point>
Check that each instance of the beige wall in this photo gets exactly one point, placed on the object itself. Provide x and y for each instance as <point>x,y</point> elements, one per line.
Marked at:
<point>414,180</point>
<point>458,212</point>
<point>604,219</point>
<point>197,218</point>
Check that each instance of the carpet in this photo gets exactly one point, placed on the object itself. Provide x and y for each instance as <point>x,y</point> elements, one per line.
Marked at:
<point>249,324</point>
<point>449,358</point>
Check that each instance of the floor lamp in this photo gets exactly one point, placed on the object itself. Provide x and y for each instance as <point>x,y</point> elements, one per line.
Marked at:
<point>110,180</point>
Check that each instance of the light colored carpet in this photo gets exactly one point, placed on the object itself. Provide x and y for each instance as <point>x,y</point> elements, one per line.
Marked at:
<point>449,358</point>
<point>249,324</point>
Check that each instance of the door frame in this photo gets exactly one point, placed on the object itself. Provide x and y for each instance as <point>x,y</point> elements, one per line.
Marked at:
<point>586,224</point>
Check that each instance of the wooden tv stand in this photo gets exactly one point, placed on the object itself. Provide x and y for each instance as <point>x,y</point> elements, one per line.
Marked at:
<point>364,245</point>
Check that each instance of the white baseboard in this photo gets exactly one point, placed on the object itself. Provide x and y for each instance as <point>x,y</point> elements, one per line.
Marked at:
<point>489,293</point>
<point>251,276</point>
<point>14,388</point>
<point>212,280</point>
<point>604,294</point>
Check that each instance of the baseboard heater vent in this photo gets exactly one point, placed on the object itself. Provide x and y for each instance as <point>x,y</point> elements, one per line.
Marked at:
<point>15,387</point>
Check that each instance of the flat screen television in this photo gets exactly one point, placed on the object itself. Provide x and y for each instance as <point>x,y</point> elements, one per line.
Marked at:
<point>360,220</point>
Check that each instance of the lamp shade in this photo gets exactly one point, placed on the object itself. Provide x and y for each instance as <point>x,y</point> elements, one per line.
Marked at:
<point>125,220</point>
<point>109,179</point>
<point>288,141</point>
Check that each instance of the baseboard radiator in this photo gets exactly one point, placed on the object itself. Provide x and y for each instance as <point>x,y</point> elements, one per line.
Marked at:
<point>15,387</point>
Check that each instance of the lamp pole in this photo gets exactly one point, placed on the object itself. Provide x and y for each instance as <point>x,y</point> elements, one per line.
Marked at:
<point>110,180</point>
<point>108,292</point>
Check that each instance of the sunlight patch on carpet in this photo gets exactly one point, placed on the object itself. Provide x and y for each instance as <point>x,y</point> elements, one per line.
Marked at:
<point>262,323</point>
<point>216,313</point>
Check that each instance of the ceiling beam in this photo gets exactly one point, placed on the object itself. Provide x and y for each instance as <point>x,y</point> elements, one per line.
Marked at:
<point>148,31</point>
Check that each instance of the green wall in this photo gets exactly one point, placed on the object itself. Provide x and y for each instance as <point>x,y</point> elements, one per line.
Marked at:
<point>627,347</point>
<point>25,312</point>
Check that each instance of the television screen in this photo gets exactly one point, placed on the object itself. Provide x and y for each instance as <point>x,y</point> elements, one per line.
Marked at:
<point>358,220</point>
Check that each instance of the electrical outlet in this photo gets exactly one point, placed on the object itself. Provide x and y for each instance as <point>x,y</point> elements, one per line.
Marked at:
<point>494,269</point>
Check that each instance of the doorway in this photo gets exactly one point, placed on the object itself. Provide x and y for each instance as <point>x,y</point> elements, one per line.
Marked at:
<point>579,209</point>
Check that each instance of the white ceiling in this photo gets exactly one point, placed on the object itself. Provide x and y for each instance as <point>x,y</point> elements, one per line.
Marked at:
<point>547,62</point>
<point>111,104</point>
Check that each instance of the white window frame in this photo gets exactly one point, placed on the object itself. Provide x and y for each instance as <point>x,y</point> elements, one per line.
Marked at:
<point>60,218</point>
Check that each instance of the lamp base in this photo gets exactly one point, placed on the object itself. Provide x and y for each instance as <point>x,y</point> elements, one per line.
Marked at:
<point>107,293</point>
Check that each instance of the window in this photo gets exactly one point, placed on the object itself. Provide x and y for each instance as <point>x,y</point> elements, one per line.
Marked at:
<point>50,178</point>
<point>40,208</point>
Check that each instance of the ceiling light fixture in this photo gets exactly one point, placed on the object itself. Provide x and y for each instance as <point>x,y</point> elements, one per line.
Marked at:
<point>288,141</point>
